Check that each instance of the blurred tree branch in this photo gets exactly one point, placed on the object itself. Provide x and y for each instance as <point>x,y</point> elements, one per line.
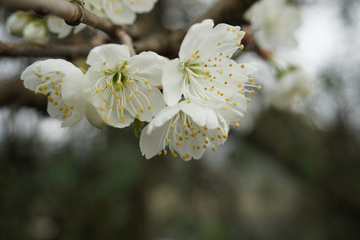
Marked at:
<point>53,51</point>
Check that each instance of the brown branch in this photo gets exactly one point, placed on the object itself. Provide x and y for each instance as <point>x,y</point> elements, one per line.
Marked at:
<point>53,51</point>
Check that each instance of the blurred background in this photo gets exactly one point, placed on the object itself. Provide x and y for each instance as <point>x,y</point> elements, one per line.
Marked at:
<point>285,173</point>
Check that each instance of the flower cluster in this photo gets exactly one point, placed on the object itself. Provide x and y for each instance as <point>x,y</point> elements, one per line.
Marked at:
<point>27,25</point>
<point>203,91</point>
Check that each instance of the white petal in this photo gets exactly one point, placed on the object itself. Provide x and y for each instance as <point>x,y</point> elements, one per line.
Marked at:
<point>107,56</point>
<point>58,26</point>
<point>31,81</point>
<point>93,117</point>
<point>79,28</point>
<point>141,6</point>
<point>150,66</point>
<point>162,117</point>
<point>119,13</point>
<point>72,87</point>
<point>194,38</point>
<point>173,82</point>
<point>76,115</point>
<point>149,144</point>
<point>139,101</point>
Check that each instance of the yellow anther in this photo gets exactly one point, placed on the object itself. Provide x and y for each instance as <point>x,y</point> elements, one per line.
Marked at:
<point>193,55</point>
<point>105,70</point>
<point>205,65</point>
<point>233,30</point>
<point>225,82</point>
<point>192,128</point>
<point>237,124</point>
<point>71,107</point>
<point>239,85</point>
<point>224,135</point>
<point>136,73</point>
<point>146,82</point>
<point>227,56</point>
<point>214,149</point>
<point>172,126</point>
<point>106,119</point>
<point>47,78</point>
<point>259,87</point>
<point>122,117</point>
<point>230,75</point>
<point>194,146</point>
<point>238,44</point>
<point>52,82</point>
<point>189,101</point>
<point>228,28</point>
<point>56,93</point>
<point>66,110</point>
<point>204,146</point>
<point>214,65</point>
<point>119,83</point>
<point>241,46</point>
<point>102,109</point>
<point>117,10</point>
<point>252,92</point>
<point>149,107</point>
<point>42,82</point>
<point>57,88</point>
<point>165,152</point>
<point>227,99</point>
<point>204,134</point>
<point>56,103</point>
<point>40,88</point>
<point>239,34</point>
<point>60,80</point>
<point>219,136</point>
<point>206,98</point>
<point>180,138</point>
<point>230,65</point>
<point>45,93</point>
<point>234,103</point>
<point>104,99</point>
<point>45,87</point>
<point>149,89</point>
<point>108,85</point>
<point>159,153</point>
<point>215,58</point>
<point>178,144</point>
<point>221,71</point>
<point>249,100</point>
<point>64,115</point>
<point>127,99</point>
<point>168,141</point>
<point>186,132</point>
<point>118,97</point>
<point>126,66</point>
<point>242,65</point>
<point>60,109</point>
<point>137,115</point>
<point>110,106</point>
<point>113,92</point>
<point>212,138</point>
<point>142,110</point>
<point>242,92</point>
<point>251,79</point>
<point>174,155</point>
<point>219,42</point>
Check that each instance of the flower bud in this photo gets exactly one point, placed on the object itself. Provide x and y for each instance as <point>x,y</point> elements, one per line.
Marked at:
<point>17,22</point>
<point>36,32</point>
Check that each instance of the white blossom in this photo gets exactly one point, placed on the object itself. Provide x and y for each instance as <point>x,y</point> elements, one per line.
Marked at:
<point>204,72</point>
<point>62,83</point>
<point>17,22</point>
<point>121,87</point>
<point>124,11</point>
<point>291,87</point>
<point>58,26</point>
<point>273,23</point>
<point>187,128</point>
<point>36,32</point>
